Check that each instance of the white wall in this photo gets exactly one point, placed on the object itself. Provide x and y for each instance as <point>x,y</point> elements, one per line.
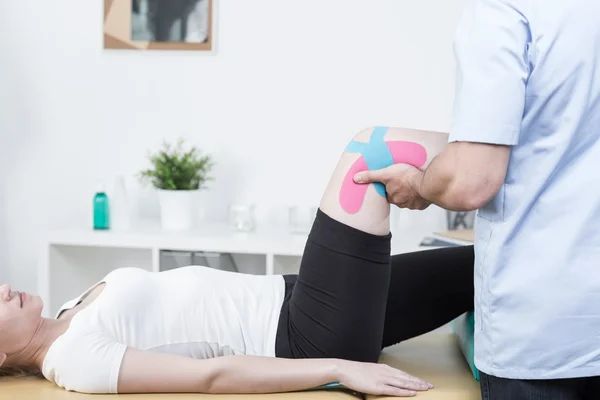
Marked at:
<point>298,77</point>
<point>4,151</point>
<point>4,265</point>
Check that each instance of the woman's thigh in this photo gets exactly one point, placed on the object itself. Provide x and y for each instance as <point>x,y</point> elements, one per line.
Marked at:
<point>337,306</point>
<point>427,290</point>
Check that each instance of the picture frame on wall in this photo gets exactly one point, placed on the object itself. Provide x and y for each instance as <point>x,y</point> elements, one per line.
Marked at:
<point>158,25</point>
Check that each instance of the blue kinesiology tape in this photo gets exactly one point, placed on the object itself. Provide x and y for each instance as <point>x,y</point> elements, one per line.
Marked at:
<point>376,154</point>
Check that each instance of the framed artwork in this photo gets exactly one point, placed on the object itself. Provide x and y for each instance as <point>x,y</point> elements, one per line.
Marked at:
<point>158,24</point>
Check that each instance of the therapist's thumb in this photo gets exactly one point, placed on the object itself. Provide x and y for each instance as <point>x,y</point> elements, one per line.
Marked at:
<point>380,175</point>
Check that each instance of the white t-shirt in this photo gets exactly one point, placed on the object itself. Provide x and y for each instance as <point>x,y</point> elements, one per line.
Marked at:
<point>192,311</point>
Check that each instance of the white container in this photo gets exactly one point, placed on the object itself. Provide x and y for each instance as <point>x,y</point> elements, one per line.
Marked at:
<point>120,207</point>
<point>177,209</point>
<point>301,218</point>
<point>242,217</point>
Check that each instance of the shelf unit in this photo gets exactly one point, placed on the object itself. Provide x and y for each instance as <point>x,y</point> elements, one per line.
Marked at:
<point>76,258</point>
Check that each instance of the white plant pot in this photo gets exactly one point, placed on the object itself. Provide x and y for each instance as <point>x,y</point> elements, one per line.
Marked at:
<point>177,209</point>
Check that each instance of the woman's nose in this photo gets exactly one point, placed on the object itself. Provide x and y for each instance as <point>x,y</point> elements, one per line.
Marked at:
<point>5,292</point>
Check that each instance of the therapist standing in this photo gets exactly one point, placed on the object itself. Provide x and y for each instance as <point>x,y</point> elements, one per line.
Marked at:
<point>525,151</point>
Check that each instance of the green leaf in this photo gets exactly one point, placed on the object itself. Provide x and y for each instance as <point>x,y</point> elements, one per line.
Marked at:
<point>175,167</point>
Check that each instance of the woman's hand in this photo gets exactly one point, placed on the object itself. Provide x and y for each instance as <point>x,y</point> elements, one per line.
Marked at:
<point>380,379</point>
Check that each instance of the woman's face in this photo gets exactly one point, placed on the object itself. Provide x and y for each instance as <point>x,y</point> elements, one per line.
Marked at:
<point>20,316</point>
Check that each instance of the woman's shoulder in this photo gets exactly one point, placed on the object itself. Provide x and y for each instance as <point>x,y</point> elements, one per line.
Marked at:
<point>84,360</point>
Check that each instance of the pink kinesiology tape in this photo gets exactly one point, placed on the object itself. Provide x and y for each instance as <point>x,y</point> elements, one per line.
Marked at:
<point>352,195</point>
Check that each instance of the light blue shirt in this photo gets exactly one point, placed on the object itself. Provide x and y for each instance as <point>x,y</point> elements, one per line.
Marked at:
<point>529,77</point>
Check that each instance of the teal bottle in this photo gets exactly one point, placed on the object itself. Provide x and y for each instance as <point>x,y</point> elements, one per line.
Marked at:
<point>101,209</point>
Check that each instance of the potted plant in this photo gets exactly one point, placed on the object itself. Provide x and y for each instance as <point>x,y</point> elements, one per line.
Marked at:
<point>178,173</point>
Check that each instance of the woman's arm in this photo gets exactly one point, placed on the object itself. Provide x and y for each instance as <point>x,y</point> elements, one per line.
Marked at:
<point>147,372</point>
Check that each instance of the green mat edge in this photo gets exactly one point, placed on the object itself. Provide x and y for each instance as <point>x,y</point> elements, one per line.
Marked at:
<point>464,329</point>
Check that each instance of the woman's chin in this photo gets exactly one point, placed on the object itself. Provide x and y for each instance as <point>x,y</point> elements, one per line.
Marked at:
<point>33,302</point>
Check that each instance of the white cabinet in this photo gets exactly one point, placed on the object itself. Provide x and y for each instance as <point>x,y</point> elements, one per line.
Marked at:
<point>75,259</point>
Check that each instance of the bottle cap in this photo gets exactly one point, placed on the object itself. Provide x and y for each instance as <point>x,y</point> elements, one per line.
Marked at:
<point>100,187</point>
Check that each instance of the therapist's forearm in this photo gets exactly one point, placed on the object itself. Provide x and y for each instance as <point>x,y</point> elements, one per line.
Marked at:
<point>446,184</point>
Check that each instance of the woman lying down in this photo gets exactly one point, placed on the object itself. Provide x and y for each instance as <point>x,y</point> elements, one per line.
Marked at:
<point>201,330</point>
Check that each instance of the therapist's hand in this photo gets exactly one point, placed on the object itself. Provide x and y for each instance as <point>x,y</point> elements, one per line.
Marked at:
<point>401,183</point>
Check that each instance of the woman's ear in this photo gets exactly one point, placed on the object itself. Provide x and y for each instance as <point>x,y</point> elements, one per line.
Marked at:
<point>2,358</point>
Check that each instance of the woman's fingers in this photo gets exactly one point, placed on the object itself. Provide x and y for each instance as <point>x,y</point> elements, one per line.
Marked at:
<point>403,375</point>
<point>396,392</point>
<point>405,384</point>
<point>411,378</point>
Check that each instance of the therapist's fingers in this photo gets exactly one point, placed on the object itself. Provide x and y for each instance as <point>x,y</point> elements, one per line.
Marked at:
<point>380,175</point>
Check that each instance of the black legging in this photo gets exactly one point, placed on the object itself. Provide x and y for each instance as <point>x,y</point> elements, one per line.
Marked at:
<point>351,298</point>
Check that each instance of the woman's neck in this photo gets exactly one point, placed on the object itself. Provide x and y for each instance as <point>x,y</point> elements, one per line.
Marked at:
<point>48,331</point>
<point>34,353</point>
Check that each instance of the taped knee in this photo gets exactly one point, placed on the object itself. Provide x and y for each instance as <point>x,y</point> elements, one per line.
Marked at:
<point>376,154</point>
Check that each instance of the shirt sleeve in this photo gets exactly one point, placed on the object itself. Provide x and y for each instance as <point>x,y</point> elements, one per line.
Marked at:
<point>88,363</point>
<point>492,67</point>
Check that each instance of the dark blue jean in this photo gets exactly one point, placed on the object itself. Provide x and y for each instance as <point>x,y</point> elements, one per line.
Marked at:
<point>493,388</point>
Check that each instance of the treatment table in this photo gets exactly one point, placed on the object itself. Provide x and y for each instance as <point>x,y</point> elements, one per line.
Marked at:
<point>435,357</point>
